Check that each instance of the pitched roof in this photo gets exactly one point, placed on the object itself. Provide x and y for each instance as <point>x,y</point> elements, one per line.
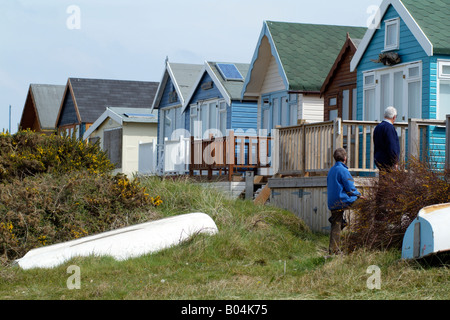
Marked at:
<point>92,96</point>
<point>121,115</point>
<point>230,89</point>
<point>46,100</point>
<point>183,77</point>
<point>304,52</point>
<point>136,115</point>
<point>433,18</point>
<point>427,20</point>
<point>350,46</point>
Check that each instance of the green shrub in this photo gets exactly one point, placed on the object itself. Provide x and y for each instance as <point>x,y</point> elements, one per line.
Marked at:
<point>49,208</point>
<point>28,153</point>
<point>56,188</point>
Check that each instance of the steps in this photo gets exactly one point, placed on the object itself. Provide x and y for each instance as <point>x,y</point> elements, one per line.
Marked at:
<point>232,189</point>
<point>262,195</point>
<point>236,189</point>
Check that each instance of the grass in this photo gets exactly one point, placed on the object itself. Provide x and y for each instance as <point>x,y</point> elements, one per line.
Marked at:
<point>260,253</point>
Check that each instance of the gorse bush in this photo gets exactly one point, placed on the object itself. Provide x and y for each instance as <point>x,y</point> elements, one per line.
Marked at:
<point>28,153</point>
<point>54,189</point>
<point>393,203</point>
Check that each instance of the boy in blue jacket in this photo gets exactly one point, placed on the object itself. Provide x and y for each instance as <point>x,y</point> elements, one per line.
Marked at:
<point>342,194</point>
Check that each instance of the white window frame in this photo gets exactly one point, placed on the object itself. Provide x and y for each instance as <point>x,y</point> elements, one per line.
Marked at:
<point>194,112</point>
<point>392,22</point>
<point>174,124</point>
<point>377,86</point>
<point>368,87</point>
<point>411,79</point>
<point>441,77</point>
<point>196,124</point>
<point>265,106</point>
<point>222,114</point>
<point>441,65</point>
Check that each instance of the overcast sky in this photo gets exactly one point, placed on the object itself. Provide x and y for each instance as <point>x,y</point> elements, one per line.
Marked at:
<point>48,41</point>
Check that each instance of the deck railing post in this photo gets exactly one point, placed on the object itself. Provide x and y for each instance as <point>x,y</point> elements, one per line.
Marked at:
<point>275,152</point>
<point>413,139</point>
<point>337,135</point>
<point>447,143</point>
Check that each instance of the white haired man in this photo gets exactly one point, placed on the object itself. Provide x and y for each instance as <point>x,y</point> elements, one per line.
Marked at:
<point>386,144</point>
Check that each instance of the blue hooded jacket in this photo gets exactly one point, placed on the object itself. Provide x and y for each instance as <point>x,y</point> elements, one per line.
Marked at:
<point>341,187</point>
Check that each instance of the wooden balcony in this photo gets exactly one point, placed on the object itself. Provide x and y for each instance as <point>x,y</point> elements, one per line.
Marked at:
<point>228,155</point>
<point>307,149</point>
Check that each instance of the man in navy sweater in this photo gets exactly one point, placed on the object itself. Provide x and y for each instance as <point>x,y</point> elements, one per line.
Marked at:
<point>385,139</point>
<point>342,194</point>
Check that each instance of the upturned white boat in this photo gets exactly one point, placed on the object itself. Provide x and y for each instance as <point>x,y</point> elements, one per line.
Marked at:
<point>124,243</point>
<point>429,233</point>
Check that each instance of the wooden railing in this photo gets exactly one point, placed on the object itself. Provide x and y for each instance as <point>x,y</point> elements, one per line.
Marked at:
<point>308,148</point>
<point>419,132</point>
<point>226,155</point>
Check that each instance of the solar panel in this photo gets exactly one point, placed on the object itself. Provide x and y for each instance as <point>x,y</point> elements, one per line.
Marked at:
<point>229,71</point>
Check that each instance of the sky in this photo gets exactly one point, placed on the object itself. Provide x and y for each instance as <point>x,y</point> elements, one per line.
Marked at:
<point>48,41</point>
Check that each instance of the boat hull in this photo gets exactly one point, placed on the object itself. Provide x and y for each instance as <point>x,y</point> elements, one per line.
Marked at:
<point>124,243</point>
<point>429,233</point>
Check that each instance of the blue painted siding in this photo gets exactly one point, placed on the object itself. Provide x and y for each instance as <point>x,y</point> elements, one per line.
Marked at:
<point>187,119</point>
<point>68,112</point>
<point>243,115</point>
<point>165,97</point>
<point>240,115</point>
<point>201,94</point>
<point>436,145</point>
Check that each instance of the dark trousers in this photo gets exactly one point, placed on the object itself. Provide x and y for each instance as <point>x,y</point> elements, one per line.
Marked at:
<point>336,219</point>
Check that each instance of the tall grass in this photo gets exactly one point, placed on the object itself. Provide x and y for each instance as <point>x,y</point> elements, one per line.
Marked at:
<point>259,253</point>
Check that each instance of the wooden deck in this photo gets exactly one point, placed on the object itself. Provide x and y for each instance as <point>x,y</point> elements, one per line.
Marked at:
<point>307,149</point>
<point>229,155</point>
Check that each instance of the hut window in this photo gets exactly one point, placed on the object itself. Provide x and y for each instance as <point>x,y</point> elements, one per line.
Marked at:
<point>443,107</point>
<point>333,114</point>
<point>392,34</point>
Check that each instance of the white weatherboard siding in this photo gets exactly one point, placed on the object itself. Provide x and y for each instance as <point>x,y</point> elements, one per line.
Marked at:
<point>133,134</point>
<point>272,81</point>
<point>310,108</point>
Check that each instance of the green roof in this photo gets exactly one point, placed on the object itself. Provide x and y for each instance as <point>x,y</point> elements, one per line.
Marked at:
<point>433,18</point>
<point>307,51</point>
